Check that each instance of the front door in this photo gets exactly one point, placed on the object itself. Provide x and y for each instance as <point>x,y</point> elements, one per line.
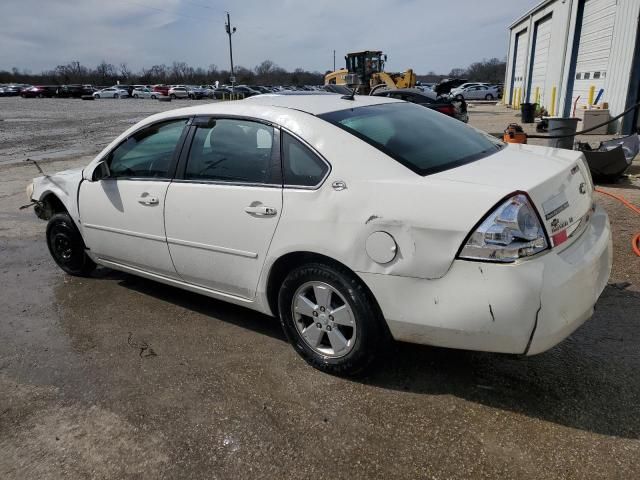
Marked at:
<point>222,213</point>
<point>122,216</point>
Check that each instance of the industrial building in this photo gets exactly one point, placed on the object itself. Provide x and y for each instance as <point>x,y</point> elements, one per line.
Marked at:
<point>566,54</point>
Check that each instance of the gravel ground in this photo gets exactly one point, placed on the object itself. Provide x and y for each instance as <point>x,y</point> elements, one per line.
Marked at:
<point>53,128</point>
<point>115,376</point>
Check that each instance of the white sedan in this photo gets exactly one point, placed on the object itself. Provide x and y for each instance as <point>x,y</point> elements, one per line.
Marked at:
<point>111,92</point>
<point>475,92</point>
<point>144,93</point>
<point>352,220</point>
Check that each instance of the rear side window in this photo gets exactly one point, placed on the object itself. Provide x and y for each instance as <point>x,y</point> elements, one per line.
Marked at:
<point>231,151</point>
<point>301,166</point>
<point>419,138</point>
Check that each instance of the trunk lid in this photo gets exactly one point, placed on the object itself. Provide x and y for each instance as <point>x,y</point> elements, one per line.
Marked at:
<point>557,181</point>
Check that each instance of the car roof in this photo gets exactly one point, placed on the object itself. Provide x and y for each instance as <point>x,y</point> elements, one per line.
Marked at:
<point>317,104</point>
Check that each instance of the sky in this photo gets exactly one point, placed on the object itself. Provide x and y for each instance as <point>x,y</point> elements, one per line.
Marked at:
<point>426,35</point>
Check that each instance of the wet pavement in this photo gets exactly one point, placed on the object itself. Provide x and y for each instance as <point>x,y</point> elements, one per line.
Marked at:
<point>115,376</point>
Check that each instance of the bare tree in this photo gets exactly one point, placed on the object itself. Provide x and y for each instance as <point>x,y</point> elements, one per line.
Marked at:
<point>264,70</point>
<point>125,73</point>
<point>105,72</point>
<point>458,72</point>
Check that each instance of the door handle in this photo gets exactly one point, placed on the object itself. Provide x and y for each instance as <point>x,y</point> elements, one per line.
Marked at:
<point>146,199</point>
<point>261,210</point>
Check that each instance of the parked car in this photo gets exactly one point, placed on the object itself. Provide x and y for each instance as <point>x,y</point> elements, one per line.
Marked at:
<point>499,88</point>
<point>460,88</point>
<point>446,85</point>
<point>75,91</point>
<point>179,92</point>
<point>222,92</point>
<point>477,92</point>
<point>12,90</point>
<point>208,90</point>
<point>350,219</point>
<point>246,91</point>
<point>39,91</point>
<point>162,89</point>
<point>197,92</point>
<point>111,92</point>
<point>145,93</point>
<point>428,98</point>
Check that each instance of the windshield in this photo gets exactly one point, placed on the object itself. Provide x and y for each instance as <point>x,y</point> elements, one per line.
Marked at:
<point>421,139</point>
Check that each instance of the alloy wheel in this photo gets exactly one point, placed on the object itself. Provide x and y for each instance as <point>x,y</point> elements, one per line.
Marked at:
<point>324,319</point>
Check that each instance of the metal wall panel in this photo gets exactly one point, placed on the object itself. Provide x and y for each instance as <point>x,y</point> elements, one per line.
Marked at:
<point>540,60</point>
<point>519,63</point>
<point>594,48</point>
<point>621,77</point>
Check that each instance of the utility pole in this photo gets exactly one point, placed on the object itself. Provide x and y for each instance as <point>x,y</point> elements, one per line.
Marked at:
<point>334,60</point>
<point>231,31</point>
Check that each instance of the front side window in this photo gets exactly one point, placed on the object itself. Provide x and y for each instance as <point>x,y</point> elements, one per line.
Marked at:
<point>148,152</point>
<point>231,151</point>
<point>301,166</point>
<point>417,137</point>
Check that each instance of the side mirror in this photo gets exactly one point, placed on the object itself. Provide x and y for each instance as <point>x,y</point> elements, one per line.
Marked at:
<point>100,171</point>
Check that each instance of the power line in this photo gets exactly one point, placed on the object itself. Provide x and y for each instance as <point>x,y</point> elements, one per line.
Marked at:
<point>168,11</point>
<point>199,5</point>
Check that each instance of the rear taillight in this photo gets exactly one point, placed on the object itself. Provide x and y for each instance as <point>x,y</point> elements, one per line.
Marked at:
<point>446,109</point>
<point>510,232</point>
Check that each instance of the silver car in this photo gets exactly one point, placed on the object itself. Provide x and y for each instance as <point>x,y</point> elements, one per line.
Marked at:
<point>476,92</point>
<point>111,92</point>
<point>179,92</point>
<point>144,93</point>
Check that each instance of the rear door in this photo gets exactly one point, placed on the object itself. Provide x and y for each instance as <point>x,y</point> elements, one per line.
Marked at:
<point>222,210</point>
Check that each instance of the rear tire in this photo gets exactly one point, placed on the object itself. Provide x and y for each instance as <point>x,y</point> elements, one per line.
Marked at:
<point>330,319</point>
<point>136,96</point>
<point>67,247</point>
<point>459,97</point>
<point>116,96</point>
<point>172,96</point>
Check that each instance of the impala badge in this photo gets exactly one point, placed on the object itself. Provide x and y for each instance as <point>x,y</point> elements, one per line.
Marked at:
<point>583,188</point>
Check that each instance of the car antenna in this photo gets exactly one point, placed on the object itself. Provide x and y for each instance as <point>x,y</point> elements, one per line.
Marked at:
<point>351,95</point>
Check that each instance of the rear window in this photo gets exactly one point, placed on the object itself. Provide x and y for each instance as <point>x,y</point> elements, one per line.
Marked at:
<point>421,139</point>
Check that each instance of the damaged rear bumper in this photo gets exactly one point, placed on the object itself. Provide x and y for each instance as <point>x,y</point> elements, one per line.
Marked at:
<point>526,307</point>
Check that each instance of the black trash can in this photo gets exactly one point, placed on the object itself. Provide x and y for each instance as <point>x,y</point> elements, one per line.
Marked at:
<point>528,111</point>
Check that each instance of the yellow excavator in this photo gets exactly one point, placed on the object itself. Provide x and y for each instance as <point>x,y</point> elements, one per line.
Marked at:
<point>365,70</point>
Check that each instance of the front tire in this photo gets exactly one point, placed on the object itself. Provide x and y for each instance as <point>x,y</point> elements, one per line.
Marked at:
<point>488,97</point>
<point>96,96</point>
<point>67,247</point>
<point>116,96</point>
<point>136,96</point>
<point>330,319</point>
<point>172,96</point>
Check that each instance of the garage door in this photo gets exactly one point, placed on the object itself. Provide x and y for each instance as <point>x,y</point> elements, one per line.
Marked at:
<point>594,49</point>
<point>542,42</point>
<point>519,62</point>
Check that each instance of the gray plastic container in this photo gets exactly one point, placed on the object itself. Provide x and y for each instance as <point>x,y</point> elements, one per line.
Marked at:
<point>562,126</point>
